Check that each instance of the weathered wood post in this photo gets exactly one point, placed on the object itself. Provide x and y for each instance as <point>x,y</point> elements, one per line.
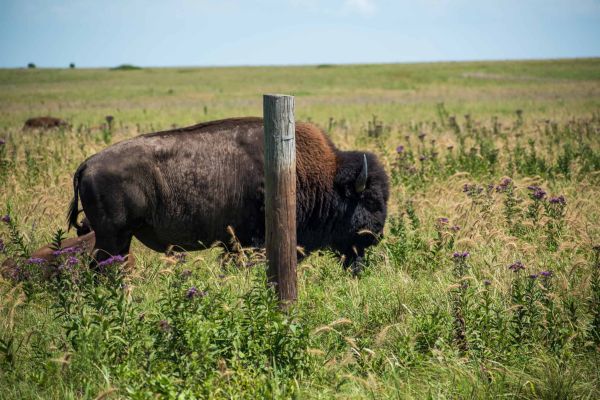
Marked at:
<point>280,194</point>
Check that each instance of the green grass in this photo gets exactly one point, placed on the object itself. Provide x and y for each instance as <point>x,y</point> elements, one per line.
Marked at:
<point>420,322</point>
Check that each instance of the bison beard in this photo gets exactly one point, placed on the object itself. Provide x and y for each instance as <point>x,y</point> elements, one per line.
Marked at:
<point>184,187</point>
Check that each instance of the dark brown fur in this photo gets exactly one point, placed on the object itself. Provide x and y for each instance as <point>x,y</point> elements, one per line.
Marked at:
<point>45,123</point>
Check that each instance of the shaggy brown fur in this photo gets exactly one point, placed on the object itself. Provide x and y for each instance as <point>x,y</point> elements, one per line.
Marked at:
<point>45,123</point>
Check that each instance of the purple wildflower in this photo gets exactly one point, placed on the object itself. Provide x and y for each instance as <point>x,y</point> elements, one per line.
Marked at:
<point>533,188</point>
<point>112,260</point>
<point>504,184</point>
<point>516,266</point>
<point>460,255</point>
<point>2,142</point>
<point>194,292</point>
<point>66,250</point>
<point>442,220</point>
<point>71,261</point>
<point>533,276</point>
<point>539,194</point>
<point>399,149</point>
<point>487,282</point>
<point>5,218</point>
<point>558,200</point>
<point>546,274</point>
<point>180,257</point>
<point>36,261</point>
<point>421,136</point>
<point>455,228</point>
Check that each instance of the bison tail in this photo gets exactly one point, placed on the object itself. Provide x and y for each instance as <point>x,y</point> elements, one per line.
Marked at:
<point>73,208</point>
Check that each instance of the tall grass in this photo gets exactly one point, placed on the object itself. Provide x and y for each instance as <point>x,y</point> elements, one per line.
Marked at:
<point>485,285</point>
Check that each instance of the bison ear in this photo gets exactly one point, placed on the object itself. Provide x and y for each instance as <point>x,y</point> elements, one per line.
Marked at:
<point>361,181</point>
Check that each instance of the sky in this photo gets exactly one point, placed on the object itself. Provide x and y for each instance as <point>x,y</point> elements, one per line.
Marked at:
<point>105,33</point>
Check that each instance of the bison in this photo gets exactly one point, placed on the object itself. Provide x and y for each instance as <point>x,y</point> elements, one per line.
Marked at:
<point>184,187</point>
<point>45,123</point>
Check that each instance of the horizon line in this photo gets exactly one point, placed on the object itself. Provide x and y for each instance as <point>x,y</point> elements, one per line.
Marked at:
<point>359,63</point>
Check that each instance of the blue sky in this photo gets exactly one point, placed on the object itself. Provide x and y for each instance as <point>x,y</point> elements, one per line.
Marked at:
<point>53,33</point>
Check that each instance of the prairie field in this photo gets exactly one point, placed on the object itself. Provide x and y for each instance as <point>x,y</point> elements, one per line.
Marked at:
<point>486,283</point>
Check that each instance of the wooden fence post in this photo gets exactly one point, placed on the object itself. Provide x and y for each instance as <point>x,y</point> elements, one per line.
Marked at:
<point>280,194</point>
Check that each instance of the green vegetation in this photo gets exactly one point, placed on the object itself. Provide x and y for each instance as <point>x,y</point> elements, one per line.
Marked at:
<point>485,285</point>
<point>126,67</point>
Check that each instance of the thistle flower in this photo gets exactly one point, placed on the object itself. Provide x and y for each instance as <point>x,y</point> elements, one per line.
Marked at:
<point>455,228</point>
<point>460,255</point>
<point>112,260</point>
<point>71,261</point>
<point>35,261</point>
<point>539,194</point>
<point>558,200</point>
<point>516,266</point>
<point>180,257</point>
<point>442,220</point>
<point>66,250</point>
<point>399,149</point>
<point>533,276</point>
<point>5,218</point>
<point>194,292</point>
<point>504,184</point>
<point>546,274</point>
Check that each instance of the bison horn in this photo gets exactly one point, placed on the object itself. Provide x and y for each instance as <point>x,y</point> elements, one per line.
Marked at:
<point>361,181</point>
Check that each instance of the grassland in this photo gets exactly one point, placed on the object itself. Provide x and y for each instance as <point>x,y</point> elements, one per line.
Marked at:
<point>479,155</point>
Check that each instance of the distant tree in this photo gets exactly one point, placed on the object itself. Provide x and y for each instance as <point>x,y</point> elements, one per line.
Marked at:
<point>125,67</point>
<point>72,65</point>
<point>31,65</point>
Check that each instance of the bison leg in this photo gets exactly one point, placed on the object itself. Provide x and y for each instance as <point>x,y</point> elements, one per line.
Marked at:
<point>110,244</point>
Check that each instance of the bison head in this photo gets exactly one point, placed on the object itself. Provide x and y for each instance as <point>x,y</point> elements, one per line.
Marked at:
<point>362,188</point>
